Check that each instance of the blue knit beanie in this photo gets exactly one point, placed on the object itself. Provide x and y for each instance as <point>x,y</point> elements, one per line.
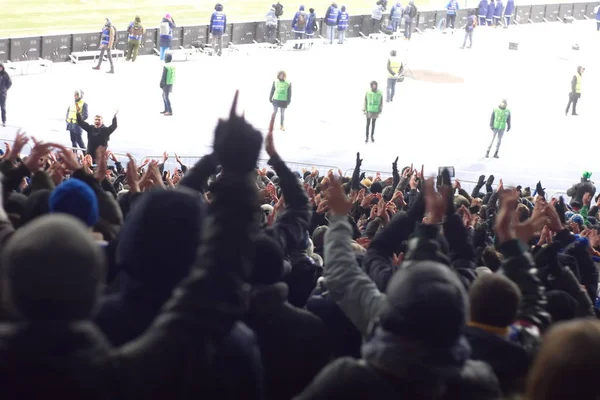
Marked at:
<point>75,198</point>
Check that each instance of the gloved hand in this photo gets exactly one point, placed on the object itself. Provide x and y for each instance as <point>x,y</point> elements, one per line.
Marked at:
<point>358,160</point>
<point>395,165</point>
<point>490,181</point>
<point>237,144</point>
<point>481,180</point>
<point>539,190</point>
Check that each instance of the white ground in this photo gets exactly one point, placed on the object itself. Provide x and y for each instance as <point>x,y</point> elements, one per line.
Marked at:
<point>432,123</point>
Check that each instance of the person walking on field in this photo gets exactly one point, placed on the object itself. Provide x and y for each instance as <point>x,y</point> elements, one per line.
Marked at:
<point>499,122</point>
<point>469,28</point>
<point>342,24</point>
<point>331,21</point>
<point>166,35</point>
<point>575,93</point>
<point>372,108</point>
<point>5,84</point>
<point>394,68</point>
<point>78,107</point>
<point>271,25</point>
<point>218,22</point>
<point>136,31</point>
<point>107,40</point>
<point>166,84</point>
<point>281,95</point>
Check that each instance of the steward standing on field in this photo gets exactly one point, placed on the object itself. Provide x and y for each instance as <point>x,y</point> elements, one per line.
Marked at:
<point>136,31</point>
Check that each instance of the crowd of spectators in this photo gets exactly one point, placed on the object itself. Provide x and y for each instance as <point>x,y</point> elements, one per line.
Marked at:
<point>221,280</point>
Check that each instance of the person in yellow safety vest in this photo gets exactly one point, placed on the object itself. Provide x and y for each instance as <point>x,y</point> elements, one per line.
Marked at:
<point>81,107</point>
<point>372,108</point>
<point>281,95</point>
<point>394,68</point>
<point>166,84</point>
<point>575,93</point>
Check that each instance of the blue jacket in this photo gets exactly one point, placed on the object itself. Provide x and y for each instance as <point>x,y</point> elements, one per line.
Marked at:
<point>510,8</point>
<point>498,10</point>
<point>396,12</point>
<point>490,10</point>
<point>271,18</point>
<point>452,7</point>
<point>165,40</point>
<point>218,22</point>
<point>343,20</point>
<point>331,15</point>
<point>310,24</point>
<point>295,27</point>
<point>483,8</point>
<point>598,14</point>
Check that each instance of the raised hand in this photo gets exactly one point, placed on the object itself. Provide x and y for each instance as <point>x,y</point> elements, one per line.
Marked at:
<point>336,199</point>
<point>236,143</point>
<point>40,151</point>
<point>504,229</point>
<point>20,141</point>
<point>69,159</point>
<point>269,140</point>
<point>165,157</point>
<point>435,206</point>
<point>133,179</point>
<point>101,166</point>
<point>358,160</point>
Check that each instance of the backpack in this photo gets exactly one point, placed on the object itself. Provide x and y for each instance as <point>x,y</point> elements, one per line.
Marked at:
<point>301,22</point>
<point>136,30</point>
<point>278,10</point>
<point>165,28</point>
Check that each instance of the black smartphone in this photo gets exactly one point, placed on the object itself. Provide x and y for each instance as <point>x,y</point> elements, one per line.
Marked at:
<point>450,170</point>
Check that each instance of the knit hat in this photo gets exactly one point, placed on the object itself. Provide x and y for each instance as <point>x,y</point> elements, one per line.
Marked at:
<point>587,175</point>
<point>426,302</point>
<point>318,237</point>
<point>366,182</point>
<point>576,218</point>
<point>376,187</point>
<point>301,8</point>
<point>76,198</point>
<point>168,16</point>
<point>138,19</point>
<point>267,266</point>
<point>53,270</point>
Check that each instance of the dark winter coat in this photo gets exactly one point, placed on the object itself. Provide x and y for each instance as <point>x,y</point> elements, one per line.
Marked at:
<point>397,370</point>
<point>5,81</point>
<point>292,341</point>
<point>577,191</point>
<point>302,279</point>
<point>172,359</point>
<point>510,8</point>
<point>311,24</point>
<point>97,136</point>
<point>166,40</point>
<point>498,9</point>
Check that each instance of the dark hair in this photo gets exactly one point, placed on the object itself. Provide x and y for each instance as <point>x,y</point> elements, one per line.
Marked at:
<point>523,212</point>
<point>491,259</point>
<point>494,300</point>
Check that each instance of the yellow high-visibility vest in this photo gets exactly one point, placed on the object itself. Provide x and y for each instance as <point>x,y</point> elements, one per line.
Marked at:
<point>395,65</point>
<point>73,111</point>
<point>578,83</point>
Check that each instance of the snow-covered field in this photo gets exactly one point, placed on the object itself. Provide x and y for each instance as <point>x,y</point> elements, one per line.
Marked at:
<point>438,124</point>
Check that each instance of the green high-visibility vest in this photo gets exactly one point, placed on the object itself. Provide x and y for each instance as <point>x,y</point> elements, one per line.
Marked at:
<point>500,117</point>
<point>170,74</point>
<point>281,90</point>
<point>374,101</point>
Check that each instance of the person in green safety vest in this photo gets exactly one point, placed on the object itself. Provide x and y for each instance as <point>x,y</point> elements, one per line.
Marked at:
<point>499,122</point>
<point>575,92</point>
<point>372,109</point>
<point>166,84</point>
<point>281,95</point>
<point>394,69</point>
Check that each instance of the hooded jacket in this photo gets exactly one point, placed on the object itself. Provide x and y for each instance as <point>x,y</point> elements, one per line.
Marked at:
<point>490,10</point>
<point>331,15</point>
<point>392,366</point>
<point>271,17</point>
<point>166,40</point>
<point>5,81</point>
<point>173,358</point>
<point>483,8</point>
<point>311,24</point>
<point>136,27</point>
<point>295,27</point>
<point>97,136</point>
<point>218,11</point>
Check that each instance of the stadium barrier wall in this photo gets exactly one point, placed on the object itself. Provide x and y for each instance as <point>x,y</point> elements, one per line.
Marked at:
<point>57,48</point>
